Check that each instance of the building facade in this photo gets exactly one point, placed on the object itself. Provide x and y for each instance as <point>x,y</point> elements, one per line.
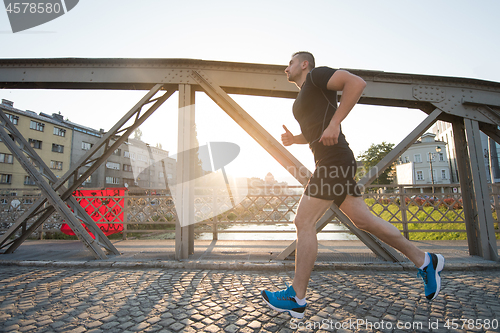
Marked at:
<point>47,135</point>
<point>444,132</point>
<point>62,144</point>
<point>424,163</point>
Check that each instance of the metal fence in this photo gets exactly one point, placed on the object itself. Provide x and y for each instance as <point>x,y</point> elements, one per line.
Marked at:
<point>413,210</point>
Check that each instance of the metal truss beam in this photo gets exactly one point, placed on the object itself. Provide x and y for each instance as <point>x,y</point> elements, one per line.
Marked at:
<point>59,202</point>
<point>393,155</point>
<point>282,155</point>
<point>450,94</point>
<point>457,99</point>
<point>43,177</point>
<point>252,127</point>
<point>472,174</point>
<point>184,232</point>
<point>490,130</point>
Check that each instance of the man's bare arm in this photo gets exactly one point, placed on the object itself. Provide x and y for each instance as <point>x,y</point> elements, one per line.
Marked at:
<point>352,87</point>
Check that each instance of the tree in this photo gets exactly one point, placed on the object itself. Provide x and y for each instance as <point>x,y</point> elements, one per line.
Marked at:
<point>375,154</point>
<point>138,134</point>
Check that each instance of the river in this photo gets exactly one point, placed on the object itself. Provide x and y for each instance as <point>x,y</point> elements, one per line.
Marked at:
<point>249,235</point>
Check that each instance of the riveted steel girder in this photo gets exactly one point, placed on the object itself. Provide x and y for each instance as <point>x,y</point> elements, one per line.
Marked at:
<point>425,92</point>
<point>446,98</point>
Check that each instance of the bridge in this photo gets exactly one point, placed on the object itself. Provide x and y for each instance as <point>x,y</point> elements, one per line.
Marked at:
<point>470,105</point>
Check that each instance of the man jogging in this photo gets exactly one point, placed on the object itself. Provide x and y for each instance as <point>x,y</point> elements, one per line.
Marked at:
<point>319,117</point>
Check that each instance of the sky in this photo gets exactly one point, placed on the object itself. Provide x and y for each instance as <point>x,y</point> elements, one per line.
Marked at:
<point>446,38</point>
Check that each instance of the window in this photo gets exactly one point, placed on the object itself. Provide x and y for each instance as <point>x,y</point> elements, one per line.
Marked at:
<point>5,179</point>
<point>420,175</point>
<point>112,180</point>
<point>127,167</point>
<point>59,131</point>
<point>443,174</point>
<point>10,136</point>
<point>161,174</point>
<point>406,159</point>
<point>117,152</point>
<point>35,125</point>
<point>441,157</point>
<point>128,154</point>
<point>6,158</point>
<point>86,145</point>
<point>88,180</point>
<point>142,158</point>
<point>417,158</point>
<point>28,181</point>
<point>57,148</point>
<point>37,144</point>
<point>12,118</point>
<point>113,165</point>
<point>56,165</point>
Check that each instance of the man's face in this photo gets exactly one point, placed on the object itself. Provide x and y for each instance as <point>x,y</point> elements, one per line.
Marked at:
<point>294,69</point>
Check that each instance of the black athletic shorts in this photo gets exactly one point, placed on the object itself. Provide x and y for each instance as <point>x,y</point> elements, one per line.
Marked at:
<point>333,178</point>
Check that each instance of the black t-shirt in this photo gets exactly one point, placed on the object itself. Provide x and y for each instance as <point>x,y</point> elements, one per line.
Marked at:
<point>315,106</point>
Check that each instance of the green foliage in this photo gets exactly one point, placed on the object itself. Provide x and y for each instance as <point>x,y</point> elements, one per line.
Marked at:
<point>375,154</point>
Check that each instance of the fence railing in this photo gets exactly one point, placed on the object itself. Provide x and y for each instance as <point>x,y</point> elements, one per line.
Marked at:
<point>411,209</point>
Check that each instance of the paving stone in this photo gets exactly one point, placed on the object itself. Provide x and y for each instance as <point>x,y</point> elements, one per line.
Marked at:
<point>212,328</point>
<point>109,325</point>
<point>93,324</point>
<point>240,322</point>
<point>79,329</point>
<point>13,327</point>
<point>57,324</point>
<point>176,300</point>
<point>126,325</point>
<point>140,327</point>
<point>255,324</point>
<point>176,326</point>
<point>27,328</point>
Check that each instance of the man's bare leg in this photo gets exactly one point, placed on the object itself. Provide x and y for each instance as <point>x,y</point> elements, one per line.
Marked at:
<point>308,213</point>
<point>356,209</point>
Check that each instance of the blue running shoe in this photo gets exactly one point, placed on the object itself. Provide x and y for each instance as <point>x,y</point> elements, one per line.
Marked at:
<point>431,275</point>
<point>284,301</point>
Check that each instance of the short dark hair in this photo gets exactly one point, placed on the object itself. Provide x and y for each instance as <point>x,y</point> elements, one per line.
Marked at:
<point>304,55</point>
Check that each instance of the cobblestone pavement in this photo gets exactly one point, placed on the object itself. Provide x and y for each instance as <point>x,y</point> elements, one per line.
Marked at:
<point>49,299</point>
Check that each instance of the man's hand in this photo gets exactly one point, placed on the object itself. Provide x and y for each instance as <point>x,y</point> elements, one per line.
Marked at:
<point>330,136</point>
<point>287,137</point>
